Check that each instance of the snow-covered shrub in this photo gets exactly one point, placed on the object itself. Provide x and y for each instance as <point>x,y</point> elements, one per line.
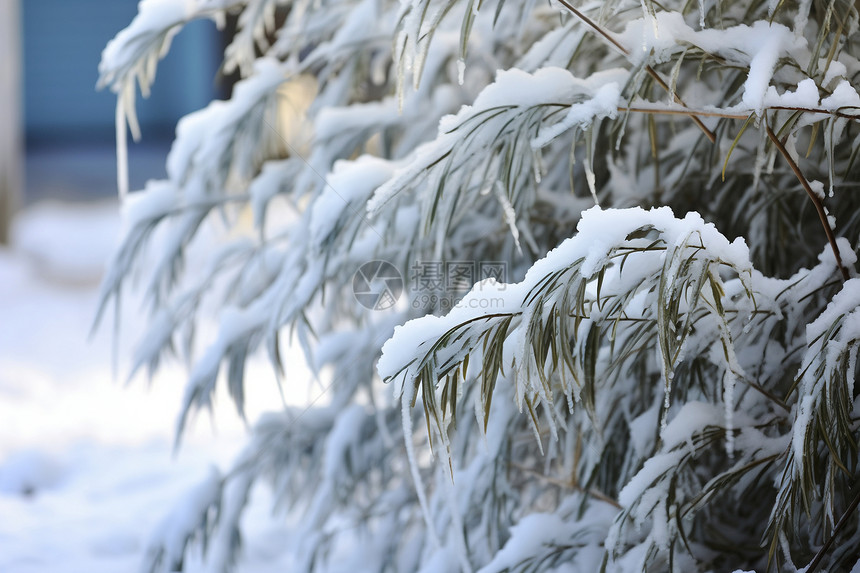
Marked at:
<point>665,378</point>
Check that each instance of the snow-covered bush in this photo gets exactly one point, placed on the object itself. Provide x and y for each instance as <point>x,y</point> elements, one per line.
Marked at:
<point>663,380</point>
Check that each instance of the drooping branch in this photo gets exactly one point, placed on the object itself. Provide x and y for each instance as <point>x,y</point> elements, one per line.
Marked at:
<point>849,511</point>
<point>816,200</point>
<point>651,71</point>
<point>658,110</point>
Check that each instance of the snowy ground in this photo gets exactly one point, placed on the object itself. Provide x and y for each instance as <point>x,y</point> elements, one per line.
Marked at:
<point>86,464</point>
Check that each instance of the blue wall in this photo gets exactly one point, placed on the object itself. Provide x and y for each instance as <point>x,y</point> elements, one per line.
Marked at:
<point>62,45</point>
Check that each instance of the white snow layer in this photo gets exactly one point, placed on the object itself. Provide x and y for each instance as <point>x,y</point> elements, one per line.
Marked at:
<point>86,467</point>
<point>589,99</point>
<point>758,46</point>
<point>597,232</point>
<point>348,188</point>
<point>203,137</point>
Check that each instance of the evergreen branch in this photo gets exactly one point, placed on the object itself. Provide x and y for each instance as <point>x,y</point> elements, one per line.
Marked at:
<point>816,200</point>
<point>843,521</point>
<point>813,110</point>
<point>686,112</point>
<point>651,71</point>
<point>730,115</point>
<point>628,351</point>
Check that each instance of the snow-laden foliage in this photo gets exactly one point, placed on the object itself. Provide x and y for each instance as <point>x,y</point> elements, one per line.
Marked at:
<point>664,380</point>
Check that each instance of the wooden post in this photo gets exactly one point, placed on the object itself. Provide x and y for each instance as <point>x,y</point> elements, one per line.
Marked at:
<point>11,158</point>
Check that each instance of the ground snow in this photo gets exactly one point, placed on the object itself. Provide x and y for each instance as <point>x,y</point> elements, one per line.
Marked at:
<point>86,465</point>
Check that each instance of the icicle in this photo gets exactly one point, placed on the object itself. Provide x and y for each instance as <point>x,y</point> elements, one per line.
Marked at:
<point>785,548</point>
<point>537,164</point>
<point>802,17</point>
<point>269,21</point>
<point>591,142</point>
<point>758,166</point>
<point>479,418</point>
<point>121,150</point>
<point>529,238</point>
<point>406,420</point>
<point>418,61</point>
<point>702,14</point>
<point>590,179</point>
<point>220,19</point>
<point>536,432</point>
<point>651,16</point>
<point>729,381</point>
<point>791,146</point>
<point>801,426</point>
<point>401,56</point>
<point>832,135</point>
<point>667,401</point>
<point>461,71</point>
<point>510,215</point>
<point>852,366</point>
<point>129,110</point>
<point>771,159</point>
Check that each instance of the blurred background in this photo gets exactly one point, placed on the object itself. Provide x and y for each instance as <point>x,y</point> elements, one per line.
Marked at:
<point>86,463</point>
<point>66,127</point>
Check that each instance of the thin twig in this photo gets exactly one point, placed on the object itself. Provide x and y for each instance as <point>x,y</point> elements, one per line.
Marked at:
<point>833,113</point>
<point>687,112</point>
<point>727,115</point>
<point>693,114</point>
<point>651,71</point>
<point>816,200</point>
<point>708,133</point>
<point>590,23</point>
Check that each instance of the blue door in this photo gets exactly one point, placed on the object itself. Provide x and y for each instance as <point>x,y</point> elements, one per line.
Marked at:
<point>62,45</point>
